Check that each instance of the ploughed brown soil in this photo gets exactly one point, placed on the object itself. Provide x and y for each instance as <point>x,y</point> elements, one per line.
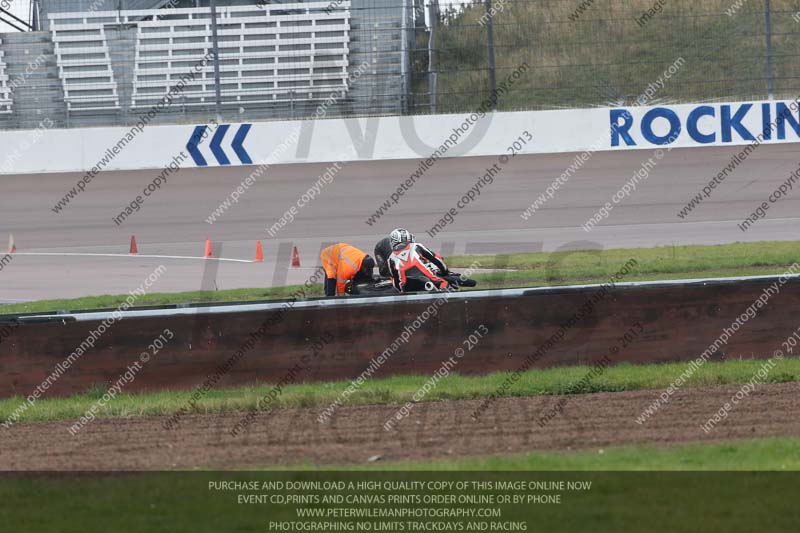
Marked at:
<point>431,431</point>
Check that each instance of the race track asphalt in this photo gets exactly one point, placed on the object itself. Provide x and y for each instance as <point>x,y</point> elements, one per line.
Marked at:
<point>172,222</point>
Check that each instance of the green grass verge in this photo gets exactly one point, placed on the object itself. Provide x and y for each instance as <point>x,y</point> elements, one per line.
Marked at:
<point>400,389</point>
<point>114,301</point>
<point>663,262</point>
<point>765,454</point>
<point>530,269</point>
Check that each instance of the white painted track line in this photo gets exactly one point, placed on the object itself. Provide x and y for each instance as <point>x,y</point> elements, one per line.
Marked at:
<point>143,256</point>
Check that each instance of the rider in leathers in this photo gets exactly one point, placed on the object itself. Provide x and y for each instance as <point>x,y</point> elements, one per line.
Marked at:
<point>410,264</point>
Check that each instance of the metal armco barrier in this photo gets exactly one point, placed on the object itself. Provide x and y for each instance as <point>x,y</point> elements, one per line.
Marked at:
<point>679,320</point>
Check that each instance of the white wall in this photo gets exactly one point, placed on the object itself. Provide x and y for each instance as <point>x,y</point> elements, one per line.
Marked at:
<point>286,142</point>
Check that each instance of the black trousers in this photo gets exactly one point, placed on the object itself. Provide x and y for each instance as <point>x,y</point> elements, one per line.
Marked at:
<point>330,286</point>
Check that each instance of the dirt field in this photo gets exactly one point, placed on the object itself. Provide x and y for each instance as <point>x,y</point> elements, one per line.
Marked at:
<point>431,431</point>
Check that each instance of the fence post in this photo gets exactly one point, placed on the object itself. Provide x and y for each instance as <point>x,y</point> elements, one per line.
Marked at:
<point>432,74</point>
<point>490,43</point>
<point>768,37</point>
<point>36,24</point>
<point>215,47</point>
<point>404,59</point>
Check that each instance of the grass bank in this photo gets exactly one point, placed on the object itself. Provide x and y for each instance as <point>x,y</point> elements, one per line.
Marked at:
<point>528,269</point>
<point>765,454</point>
<point>397,390</point>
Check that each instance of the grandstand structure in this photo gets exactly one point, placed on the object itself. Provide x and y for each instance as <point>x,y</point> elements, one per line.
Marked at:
<point>84,62</point>
<point>98,64</point>
<point>5,88</point>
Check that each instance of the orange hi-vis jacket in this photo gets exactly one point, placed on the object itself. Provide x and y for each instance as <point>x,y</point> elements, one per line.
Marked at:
<point>341,262</point>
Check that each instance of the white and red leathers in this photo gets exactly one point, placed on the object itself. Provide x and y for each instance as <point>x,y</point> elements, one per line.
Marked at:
<point>411,266</point>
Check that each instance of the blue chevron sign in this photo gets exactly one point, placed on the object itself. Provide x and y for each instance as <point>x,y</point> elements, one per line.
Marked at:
<point>201,132</point>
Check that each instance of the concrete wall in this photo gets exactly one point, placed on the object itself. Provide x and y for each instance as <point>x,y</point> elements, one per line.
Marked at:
<point>379,138</point>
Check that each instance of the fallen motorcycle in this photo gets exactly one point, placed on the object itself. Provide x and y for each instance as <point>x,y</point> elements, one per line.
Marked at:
<point>380,286</point>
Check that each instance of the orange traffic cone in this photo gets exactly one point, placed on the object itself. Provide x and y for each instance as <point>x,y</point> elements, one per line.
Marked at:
<point>295,258</point>
<point>134,249</point>
<point>259,253</point>
<point>208,252</point>
<point>11,246</point>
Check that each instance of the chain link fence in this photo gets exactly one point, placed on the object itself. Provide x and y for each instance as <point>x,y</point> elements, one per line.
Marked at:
<point>106,62</point>
<point>584,53</point>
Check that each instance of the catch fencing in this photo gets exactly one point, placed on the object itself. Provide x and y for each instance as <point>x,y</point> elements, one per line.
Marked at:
<point>99,62</point>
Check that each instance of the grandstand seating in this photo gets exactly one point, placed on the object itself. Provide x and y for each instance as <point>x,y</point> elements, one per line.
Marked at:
<point>83,60</point>
<point>5,89</point>
<point>288,51</point>
<point>278,52</point>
